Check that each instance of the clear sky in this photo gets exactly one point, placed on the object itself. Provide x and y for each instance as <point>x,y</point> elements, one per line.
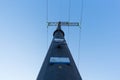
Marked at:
<point>23,37</point>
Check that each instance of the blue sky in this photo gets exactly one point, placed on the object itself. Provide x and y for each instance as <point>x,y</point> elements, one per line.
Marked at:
<point>23,37</point>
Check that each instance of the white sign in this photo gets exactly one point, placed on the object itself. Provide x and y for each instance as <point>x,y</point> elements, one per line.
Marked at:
<point>59,60</point>
<point>58,40</point>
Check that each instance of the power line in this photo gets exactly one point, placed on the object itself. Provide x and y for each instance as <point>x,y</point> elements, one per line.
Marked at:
<point>81,14</point>
<point>47,20</point>
<point>81,18</point>
<point>69,10</point>
<point>69,15</point>
<point>47,11</point>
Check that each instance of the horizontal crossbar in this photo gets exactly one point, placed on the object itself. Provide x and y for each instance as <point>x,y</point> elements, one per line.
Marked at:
<point>63,23</point>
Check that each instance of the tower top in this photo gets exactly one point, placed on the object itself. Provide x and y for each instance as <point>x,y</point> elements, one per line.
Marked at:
<point>59,24</point>
<point>58,30</point>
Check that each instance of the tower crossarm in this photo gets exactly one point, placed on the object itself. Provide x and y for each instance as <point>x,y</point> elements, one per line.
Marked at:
<point>63,23</point>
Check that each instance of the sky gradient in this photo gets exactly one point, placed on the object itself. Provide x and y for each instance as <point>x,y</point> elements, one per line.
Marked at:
<point>23,37</point>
